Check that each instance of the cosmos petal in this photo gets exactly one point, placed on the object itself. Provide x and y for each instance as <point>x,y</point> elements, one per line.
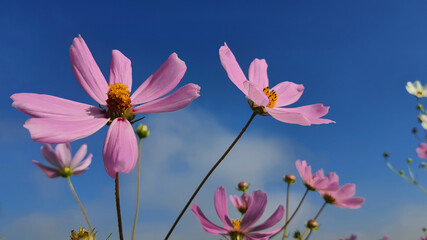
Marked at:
<point>120,70</point>
<point>232,68</point>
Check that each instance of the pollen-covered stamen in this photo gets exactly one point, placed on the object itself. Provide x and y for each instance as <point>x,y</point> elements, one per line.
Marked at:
<point>236,224</point>
<point>272,96</point>
<point>118,102</point>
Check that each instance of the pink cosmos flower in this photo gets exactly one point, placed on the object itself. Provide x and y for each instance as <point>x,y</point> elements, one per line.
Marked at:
<point>64,164</point>
<point>316,181</point>
<point>423,238</point>
<point>57,120</point>
<point>241,228</point>
<point>352,237</point>
<point>343,197</point>
<point>384,238</point>
<point>269,101</point>
<point>422,150</point>
<point>241,203</point>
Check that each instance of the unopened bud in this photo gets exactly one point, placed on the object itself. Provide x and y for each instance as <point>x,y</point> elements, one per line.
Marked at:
<point>312,224</point>
<point>419,106</point>
<point>424,229</point>
<point>242,186</point>
<point>289,178</point>
<point>386,154</point>
<point>82,234</point>
<point>409,160</point>
<point>414,130</point>
<point>419,118</point>
<point>142,131</point>
<point>423,165</point>
<point>297,234</point>
<point>401,172</point>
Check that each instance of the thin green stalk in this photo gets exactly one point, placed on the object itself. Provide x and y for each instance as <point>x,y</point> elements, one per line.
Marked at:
<point>287,211</point>
<point>119,215</point>
<point>80,204</point>
<point>137,189</point>
<point>293,214</point>
<point>209,173</point>
<point>315,218</point>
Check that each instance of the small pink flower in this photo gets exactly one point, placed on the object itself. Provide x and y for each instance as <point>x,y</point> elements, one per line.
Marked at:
<point>241,228</point>
<point>384,238</point>
<point>64,164</point>
<point>422,150</point>
<point>316,181</point>
<point>57,120</point>
<point>270,101</point>
<point>423,238</point>
<point>241,203</point>
<point>343,197</point>
<point>352,237</point>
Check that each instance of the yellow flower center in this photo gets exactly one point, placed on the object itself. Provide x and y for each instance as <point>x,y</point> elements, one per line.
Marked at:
<point>236,224</point>
<point>118,102</point>
<point>272,96</point>
<point>420,93</point>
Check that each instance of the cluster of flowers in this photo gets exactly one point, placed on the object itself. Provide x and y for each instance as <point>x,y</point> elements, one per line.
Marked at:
<point>252,207</point>
<point>60,121</point>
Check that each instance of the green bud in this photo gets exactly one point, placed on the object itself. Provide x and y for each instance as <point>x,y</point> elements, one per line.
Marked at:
<point>423,165</point>
<point>401,172</point>
<point>424,229</point>
<point>419,106</point>
<point>297,234</point>
<point>289,178</point>
<point>386,154</point>
<point>409,160</point>
<point>142,131</point>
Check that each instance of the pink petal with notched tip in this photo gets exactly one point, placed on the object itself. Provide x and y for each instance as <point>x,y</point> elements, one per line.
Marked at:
<point>255,210</point>
<point>80,154</point>
<point>176,101</point>
<point>288,117</point>
<point>207,225</point>
<point>120,151</point>
<point>55,130</point>
<point>47,106</point>
<point>256,95</point>
<point>232,68</point>
<point>50,172</point>
<point>120,70</point>
<point>288,93</point>
<point>87,71</point>
<point>312,112</point>
<point>50,155</point>
<point>161,82</point>
<point>258,73</point>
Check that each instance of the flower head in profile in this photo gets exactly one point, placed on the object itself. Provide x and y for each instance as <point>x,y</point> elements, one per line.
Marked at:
<point>269,101</point>
<point>417,89</point>
<point>316,181</point>
<point>57,120</point>
<point>241,203</point>
<point>244,228</point>
<point>422,150</point>
<point>63,164</point>
<point>343,197</point>
<point>384,238</point>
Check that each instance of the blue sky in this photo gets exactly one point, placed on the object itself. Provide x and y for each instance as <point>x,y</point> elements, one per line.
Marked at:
<point>353,56</point>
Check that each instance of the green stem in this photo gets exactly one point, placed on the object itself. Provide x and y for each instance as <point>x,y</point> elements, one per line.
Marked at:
<point>137,189</point>
<point>80,203</point>
<point>119,215</point>
<point>315,218</point>
<point>293,214</point>
<point>209,173</point>
<point>287,210</point>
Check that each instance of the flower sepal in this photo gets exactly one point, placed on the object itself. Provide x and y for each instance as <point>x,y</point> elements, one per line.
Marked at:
<point>259,110</point>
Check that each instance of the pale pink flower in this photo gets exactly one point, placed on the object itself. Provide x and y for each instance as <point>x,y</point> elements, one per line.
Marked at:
<point>241,203</point>
<point>343,197</point>
<point>64,164</point>
<point>352,237</point>
<point>316,181</point>
<point>270,100</point>
<point>422,150</point>
<point>57,120</point>
<point>241,228</point>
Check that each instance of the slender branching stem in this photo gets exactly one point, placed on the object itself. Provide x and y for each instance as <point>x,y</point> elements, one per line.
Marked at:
<point>316,217</point>
<point>119,215</point>
<point>209,173</point>
<point>287,210</point>
<point>137,189</point>
<point>80,204</point>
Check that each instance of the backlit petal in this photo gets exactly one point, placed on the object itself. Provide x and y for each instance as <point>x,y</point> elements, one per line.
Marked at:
<point>63,151</point>
<point>50,172</point>
<point>288,93</point>
<point>256,95</point>
<point>232,68</point>
<point>120,70</point>
<point>80,154</point>
<point>255,210</point>
<point>258,73</point>
<point>288,117</point>
<point>207,225</point>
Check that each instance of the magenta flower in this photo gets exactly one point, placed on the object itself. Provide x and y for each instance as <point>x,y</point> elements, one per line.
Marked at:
<point>384,238</point>
<point>241,203</point>
<point>57,120</point>
<point>316,181</point>
<point>422,150</point>
<point>241,228</point>
<point>423,238</point>
<point>352,237</point>
<point>343,197</point>
<point>64,164</point>
<point>269,101</point>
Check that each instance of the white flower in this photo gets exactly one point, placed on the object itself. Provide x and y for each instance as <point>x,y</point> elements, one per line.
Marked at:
<point>423,120</point>
<point>417,89</point>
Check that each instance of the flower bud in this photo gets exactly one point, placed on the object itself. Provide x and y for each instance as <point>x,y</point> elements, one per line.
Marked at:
<point>142,131</point>
<point>297,234</point>
<point>312,224</point>
<point>401,172</point>
<point>419,106</point>
<point>423,165</point>
<point>242,186</point>
<point>386,154</point>
<point>289,178</point>
<point>409,160</point>
<point>82,234</point>
<point>66,172</point>
<point>414,130</point>
<point>424,229</point>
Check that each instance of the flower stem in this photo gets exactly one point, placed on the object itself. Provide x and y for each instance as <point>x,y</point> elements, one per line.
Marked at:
<point>287,210</point>
<point>209,173</point>
<point>137,189</point>
<point>119,215</point>
<point>305,233</point>
<point>315,218</point>
<point>80,203</point>
<point>293,214</point>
